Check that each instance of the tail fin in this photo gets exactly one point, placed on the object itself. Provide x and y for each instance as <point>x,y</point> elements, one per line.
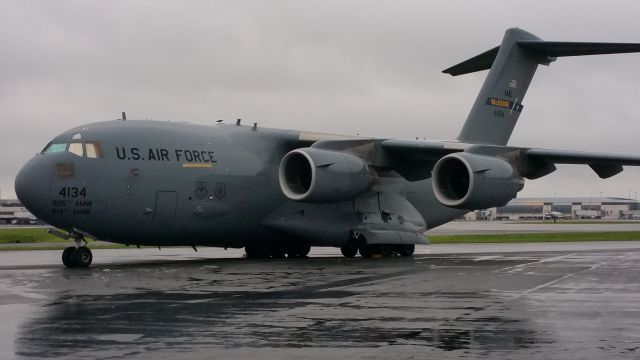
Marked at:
<point>513,64</point>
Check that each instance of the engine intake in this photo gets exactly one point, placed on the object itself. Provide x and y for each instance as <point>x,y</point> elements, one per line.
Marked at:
<point>316,175</point>
<point>470,181</point>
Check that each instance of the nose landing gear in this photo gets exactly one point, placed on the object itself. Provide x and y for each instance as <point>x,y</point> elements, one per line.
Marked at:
<point>77,256</point>
<point>80,257</point>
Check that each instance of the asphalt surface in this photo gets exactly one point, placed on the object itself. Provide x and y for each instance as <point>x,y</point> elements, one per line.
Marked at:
<point>569,301</point>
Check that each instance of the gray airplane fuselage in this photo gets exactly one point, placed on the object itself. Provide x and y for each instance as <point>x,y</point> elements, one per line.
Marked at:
<point>279,192</point>
<point>166,184</point>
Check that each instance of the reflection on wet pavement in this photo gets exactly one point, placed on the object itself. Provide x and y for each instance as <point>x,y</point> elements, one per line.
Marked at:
<point>544,305</point>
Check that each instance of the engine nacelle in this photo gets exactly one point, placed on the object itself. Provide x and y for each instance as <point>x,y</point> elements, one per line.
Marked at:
<point>470,181</point>
<point>316,175</point>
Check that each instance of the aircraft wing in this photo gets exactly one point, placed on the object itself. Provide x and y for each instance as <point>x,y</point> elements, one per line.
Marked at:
<point>605,165</point>
<point>429,152</point>
<point>422,150</point>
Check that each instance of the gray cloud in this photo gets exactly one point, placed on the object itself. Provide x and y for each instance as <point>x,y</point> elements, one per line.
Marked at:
<point>335,66</point>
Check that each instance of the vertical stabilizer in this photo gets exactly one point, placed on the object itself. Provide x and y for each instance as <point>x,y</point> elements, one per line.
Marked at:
<point>499,103</point>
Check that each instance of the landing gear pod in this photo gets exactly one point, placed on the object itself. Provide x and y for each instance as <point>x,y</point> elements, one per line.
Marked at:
<point>315,175</point>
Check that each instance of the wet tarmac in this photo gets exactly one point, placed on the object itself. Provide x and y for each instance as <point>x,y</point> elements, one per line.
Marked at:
<point>569,301</point>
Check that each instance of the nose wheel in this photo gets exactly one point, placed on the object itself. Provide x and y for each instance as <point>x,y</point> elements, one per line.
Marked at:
<point>79,257</point>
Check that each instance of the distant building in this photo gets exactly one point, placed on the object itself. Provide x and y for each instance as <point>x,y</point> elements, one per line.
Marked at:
<point>610,208</point>
<point>12,212</point>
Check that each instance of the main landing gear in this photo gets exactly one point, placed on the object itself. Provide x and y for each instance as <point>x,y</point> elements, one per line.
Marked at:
<point>275,251</point>
<point>77,256</point>
<point>358,243</point>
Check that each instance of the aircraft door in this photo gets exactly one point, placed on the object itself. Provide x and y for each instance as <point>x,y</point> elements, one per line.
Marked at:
<point>164,212</point>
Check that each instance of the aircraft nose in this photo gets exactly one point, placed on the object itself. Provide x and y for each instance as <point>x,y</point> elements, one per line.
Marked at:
<point>32,186</point>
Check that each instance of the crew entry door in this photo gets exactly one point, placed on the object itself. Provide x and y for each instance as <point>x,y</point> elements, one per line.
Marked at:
<point>164,212</point>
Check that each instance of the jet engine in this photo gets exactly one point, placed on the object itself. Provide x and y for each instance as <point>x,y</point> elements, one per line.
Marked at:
<point>470,181</point>
<point>316,175</point>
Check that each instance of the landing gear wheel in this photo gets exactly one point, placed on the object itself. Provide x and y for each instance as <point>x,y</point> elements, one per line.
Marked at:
<point>349,249</point>
<point>299,251</point>
<point>385,250</point>
<point>82,257</point>
<point>365,250</point>
<point>381,249</point>
<point>67,257</point>
<point>406,250</point>
<point>256,252</point>
<point>277,252</point>
<point>304,251</point>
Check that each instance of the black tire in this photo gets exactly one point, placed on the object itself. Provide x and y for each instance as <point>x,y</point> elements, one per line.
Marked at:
<point>82,257</point>
<point>277,252</point>
<point>300,251</point>
<point>255,252</point>
<point>349,249</point>
<point>381,249</point>
<point>365,250</point>
<point>67,257</point>
<point>406,250</point>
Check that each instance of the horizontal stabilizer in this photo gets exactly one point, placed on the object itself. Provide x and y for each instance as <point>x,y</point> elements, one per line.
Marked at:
<point>545,51</point>
<point>558,49</point>
<point>476,63</point>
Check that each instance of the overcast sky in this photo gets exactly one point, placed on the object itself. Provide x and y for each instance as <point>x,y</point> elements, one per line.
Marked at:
<point>367,67</point>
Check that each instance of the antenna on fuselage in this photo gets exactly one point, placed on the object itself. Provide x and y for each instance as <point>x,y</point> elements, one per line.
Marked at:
<point>124,116</point>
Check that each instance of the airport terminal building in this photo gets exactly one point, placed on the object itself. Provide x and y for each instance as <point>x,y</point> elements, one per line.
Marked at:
<point>609,208</point>
<point>12,212</point>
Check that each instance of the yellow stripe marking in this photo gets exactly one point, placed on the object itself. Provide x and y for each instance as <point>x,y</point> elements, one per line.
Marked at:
<point>197,165</point>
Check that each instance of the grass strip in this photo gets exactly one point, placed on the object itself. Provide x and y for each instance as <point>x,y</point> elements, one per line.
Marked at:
<point>535,237</point>
<point>27,236</point>
<point>575,222</point>
<point>59,247</point>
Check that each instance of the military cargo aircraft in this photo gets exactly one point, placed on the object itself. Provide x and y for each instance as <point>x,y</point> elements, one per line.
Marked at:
<point>277,193</point>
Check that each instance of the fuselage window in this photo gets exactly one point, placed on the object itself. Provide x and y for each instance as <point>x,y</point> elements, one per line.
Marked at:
<point>76,148</point>
<point>54,148</point>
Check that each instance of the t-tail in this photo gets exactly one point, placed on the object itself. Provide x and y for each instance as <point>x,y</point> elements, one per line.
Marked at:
<point>512,66</point>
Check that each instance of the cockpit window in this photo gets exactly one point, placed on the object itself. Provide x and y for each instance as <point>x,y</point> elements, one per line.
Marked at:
<point>76,148</point>
<point>94,151</point>
<point>91,149</point>
<point>54,148</point>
